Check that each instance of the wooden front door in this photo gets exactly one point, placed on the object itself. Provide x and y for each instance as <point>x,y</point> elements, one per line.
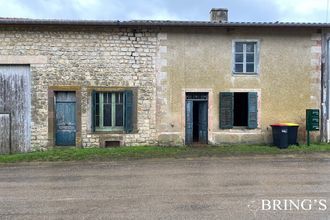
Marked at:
<point>196,118</point>
<point>65,117</point>
<point>202,121</point>
<point>189,122</point>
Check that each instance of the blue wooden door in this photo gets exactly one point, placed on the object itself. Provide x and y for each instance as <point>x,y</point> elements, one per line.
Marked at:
<point>65,119</point>
<point>189,122</point>
<point>202,121</point>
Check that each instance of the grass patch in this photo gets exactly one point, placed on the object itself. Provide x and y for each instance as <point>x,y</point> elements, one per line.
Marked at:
<point>140,152</point>
<point>75,154</point>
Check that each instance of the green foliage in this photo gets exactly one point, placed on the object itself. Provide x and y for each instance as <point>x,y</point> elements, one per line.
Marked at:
<point>139,152</point>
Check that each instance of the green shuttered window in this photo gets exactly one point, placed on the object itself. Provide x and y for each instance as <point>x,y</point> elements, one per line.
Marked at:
<point>226,110</point>
<point>128,125</point>
<point>238,110</point>
<point>252,110</point>
<point>112,111</point>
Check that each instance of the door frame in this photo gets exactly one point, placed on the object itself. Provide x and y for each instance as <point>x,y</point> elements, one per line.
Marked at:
<point>51,112</point>
<point>209,113</point>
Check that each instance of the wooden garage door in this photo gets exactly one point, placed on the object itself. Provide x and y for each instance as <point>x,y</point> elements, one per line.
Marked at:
<point>15,99</point>
<point>4,133</point>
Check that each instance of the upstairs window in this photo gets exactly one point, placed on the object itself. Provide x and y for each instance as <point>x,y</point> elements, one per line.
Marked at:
<point>245,57</point>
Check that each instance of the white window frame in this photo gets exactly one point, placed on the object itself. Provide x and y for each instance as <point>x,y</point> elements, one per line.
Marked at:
<point>256,56</point>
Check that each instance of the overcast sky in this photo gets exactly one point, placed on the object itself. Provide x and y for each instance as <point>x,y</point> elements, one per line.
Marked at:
<point>239,10</point>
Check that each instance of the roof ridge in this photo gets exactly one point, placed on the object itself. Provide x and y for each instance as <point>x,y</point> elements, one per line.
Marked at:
<point>37,21</point>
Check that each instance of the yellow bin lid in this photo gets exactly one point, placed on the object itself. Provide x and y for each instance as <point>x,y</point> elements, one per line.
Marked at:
<point>289,124</point>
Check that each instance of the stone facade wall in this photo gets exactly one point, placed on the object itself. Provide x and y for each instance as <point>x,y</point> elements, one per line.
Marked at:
<point>88,58</point>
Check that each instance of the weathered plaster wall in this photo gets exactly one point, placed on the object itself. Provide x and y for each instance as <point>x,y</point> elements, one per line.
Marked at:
<point>88,58</point>
<point>288,81</point>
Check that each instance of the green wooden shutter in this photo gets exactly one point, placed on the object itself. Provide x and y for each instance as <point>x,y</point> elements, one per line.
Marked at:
<point>128,124</point>
<point>226,114</point>
<point>253,110</point>
<point>93,110</point>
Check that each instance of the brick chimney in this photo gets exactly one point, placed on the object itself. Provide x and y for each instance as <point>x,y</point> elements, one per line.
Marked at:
<point>219,15</point>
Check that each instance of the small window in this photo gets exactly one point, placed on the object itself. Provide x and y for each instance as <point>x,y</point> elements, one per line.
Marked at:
<point>239,109</point>
<point>245,57</point>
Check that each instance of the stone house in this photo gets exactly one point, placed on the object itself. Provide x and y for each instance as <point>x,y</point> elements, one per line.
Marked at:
<point>105,83</point>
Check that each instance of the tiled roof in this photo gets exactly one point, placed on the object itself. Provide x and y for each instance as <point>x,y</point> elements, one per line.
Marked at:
<point>160,23</point>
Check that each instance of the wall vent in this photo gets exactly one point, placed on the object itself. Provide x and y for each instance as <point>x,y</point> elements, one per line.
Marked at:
<point>111,143</point>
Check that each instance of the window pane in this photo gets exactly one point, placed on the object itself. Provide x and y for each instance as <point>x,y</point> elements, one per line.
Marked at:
<point>97,96</point>
<point>97,110</point>
<point>119,109</point>
<point>97,115</point>
<point>119,115</point>
<point>106,98</point>
<point>109,97</point>
<point>107,115</point>
<point>238,68</point>
<point>250,57</point>
<point>119,98</point>
<point>107,109</point>
<point>250,68</point>
<point>238,47</point>
<point>250,47</point>
<point>238,58</point>
<point>97,121</point>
